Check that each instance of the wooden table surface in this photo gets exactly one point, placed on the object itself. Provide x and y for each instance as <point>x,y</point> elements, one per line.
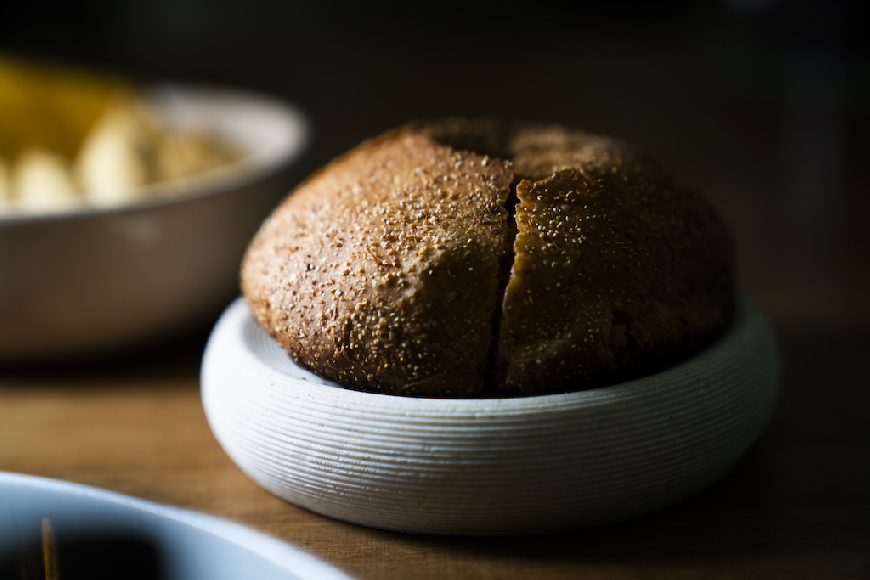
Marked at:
<point>798,504</point>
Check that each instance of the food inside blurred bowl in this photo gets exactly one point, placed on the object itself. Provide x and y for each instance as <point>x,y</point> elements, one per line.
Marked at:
<point>151,247</point>
<point>93,143</point>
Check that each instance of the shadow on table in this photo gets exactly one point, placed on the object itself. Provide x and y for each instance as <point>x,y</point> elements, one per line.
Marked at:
<point>800,492</point>
<point>728,518</point>
<point>166,362</point>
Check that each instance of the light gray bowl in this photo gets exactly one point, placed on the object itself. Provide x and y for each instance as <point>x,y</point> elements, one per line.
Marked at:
<point>488,467</point>
<point>97,280</point>
<point>101,534</point>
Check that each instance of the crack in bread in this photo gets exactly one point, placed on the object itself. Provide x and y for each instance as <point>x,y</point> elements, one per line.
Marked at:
<point>399,269</point>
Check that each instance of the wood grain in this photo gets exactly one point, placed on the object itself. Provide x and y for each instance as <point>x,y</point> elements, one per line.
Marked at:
<point>796,506</point>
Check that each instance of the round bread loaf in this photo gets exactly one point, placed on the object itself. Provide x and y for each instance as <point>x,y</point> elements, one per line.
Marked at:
<point>481,258</point>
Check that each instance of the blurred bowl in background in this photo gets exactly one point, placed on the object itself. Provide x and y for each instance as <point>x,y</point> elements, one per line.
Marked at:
<point>95,280</point>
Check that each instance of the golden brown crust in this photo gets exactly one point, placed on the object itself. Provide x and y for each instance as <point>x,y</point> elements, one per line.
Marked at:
<point>382,271</point>
<point>616,265</point>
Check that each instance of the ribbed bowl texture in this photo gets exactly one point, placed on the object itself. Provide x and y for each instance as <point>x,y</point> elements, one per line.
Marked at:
<point>488,466</point>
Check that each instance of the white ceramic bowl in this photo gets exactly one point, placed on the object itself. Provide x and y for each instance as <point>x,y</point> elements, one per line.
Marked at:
<point>95,280</point>
<point>488,466</point>
<point>136,538</point>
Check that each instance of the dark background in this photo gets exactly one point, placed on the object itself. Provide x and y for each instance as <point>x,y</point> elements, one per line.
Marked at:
<point>763,104</point>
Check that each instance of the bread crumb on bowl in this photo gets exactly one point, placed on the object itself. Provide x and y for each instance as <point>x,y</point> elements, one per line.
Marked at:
<point>480,258</point>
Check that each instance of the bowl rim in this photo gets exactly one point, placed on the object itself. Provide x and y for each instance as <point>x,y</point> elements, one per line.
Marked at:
<point>262,350</point>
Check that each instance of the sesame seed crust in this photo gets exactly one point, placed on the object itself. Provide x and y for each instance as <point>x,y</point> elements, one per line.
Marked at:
<point>384,271</point>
